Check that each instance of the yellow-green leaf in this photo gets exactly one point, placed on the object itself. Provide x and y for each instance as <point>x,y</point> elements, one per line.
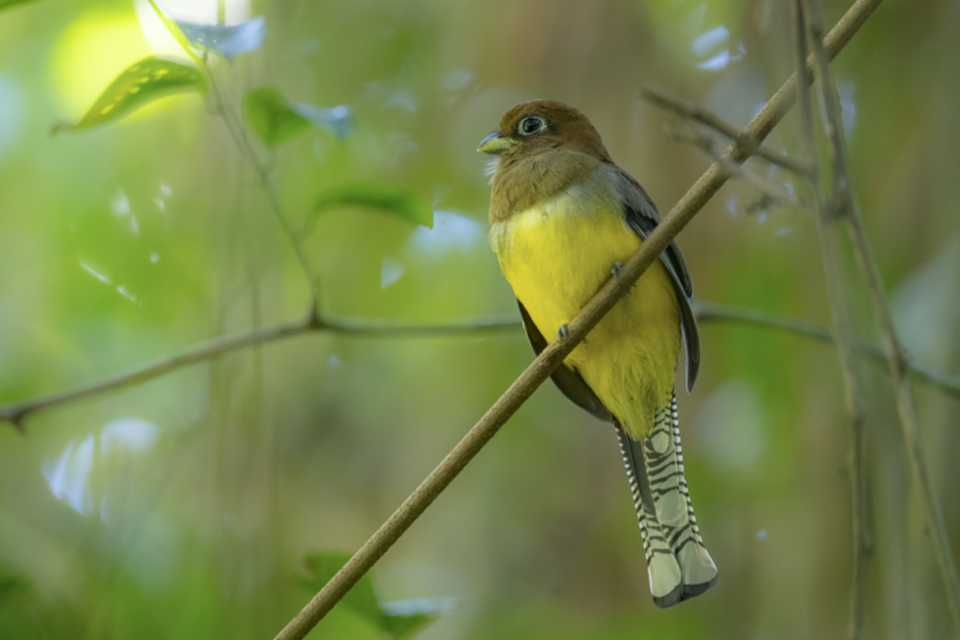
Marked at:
<point>376,196</point>
<point>139,84</point>
<point>270,116</point>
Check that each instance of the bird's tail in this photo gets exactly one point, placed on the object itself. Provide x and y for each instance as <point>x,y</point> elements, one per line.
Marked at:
<point>666,582</point>
<point>677,562</point>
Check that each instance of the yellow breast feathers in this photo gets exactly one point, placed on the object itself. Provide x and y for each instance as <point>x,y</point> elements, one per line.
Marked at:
<point>556,255</point>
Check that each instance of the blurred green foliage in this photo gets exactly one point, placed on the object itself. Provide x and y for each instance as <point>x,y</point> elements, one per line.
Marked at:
<point>363,601</point>
<point>269,115</point>
<point>374,196</point>
<point>185,508</point>
<point>4,4</point>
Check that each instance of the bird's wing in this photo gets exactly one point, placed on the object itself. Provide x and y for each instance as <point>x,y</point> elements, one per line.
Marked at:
<point>570,383</point>
<point>642,217</point>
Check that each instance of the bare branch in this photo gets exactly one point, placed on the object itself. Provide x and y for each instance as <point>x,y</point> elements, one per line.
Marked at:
<point>846,207</point>
<point>706,143</point>
<point>242,141</point>
<point>15,413</point>
<point>551,357</point>
<point>833,271</point>
<point>706,312</point>
<point>715,313</point>
<point>710,119</point>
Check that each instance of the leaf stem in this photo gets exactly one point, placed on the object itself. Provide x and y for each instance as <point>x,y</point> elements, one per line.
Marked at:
<point>242,141</point>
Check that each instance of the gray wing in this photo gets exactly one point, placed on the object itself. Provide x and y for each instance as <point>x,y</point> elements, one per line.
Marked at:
<point>641,216</point>
<point>570,383</point>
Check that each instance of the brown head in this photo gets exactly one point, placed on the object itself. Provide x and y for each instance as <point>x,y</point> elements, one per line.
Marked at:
<point>541,125</point>
<point>541,149</point>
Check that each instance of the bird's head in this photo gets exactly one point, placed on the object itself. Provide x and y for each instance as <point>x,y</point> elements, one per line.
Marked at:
<point>542,125</point>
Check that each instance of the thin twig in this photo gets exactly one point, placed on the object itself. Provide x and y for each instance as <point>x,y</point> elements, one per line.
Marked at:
<point>847,208</point>
<point>710,119</point>
<point>15,413</point>
<point>551,357</point>
<point>715,313</point>
<point>707,313</point>
<point>239,135</point>
<point>853,400</point>
<point>707,144</point>
<point>242,141</point>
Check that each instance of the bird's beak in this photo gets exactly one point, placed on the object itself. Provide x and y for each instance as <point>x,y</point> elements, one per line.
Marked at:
<point>495,143</point>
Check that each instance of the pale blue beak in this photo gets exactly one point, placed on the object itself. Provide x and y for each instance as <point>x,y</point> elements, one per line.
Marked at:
<point>495,143</point>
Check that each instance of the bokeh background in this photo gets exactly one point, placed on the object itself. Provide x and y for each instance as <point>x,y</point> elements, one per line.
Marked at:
<point>185,507</point>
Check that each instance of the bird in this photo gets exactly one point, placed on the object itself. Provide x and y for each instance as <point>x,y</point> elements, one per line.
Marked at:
<point>563,218</point>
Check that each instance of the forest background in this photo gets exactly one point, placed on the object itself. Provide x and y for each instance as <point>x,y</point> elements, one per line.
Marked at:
<point>212,501</point>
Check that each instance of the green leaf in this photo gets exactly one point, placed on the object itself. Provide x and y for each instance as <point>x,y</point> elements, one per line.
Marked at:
<point>403,627</point>
<point>275,119</point>
<point>406,618</point>
<point>6,4</point>
<point>376,196</point>
<point>360,599</point>
<point>400,620</point>
<point>270,116</point>
<point>148,80</point>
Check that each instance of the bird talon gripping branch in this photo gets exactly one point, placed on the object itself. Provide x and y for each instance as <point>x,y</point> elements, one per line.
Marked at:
<point>616,271</point>
<point>561,212</point>
<point>616,276</point>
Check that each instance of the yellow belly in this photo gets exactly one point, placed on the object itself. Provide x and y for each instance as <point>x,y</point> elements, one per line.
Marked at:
<point>556,261</point>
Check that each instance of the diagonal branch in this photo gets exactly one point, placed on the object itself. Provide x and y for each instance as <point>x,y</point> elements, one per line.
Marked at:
<point>846,208</point>
<point>551,357</point>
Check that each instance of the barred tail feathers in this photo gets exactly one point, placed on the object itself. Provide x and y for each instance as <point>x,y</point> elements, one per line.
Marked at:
<point>663,458</point>
<point>666,584</point>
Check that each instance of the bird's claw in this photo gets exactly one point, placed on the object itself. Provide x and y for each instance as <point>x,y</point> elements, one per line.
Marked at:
<point>563,333</point>
<point>616,271</point>
<point>618,266</point>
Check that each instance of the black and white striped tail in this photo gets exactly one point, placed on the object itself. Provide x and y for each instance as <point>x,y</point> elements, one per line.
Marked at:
<point>666,584</point>
<point>664,461</point>
<point>679,566</point>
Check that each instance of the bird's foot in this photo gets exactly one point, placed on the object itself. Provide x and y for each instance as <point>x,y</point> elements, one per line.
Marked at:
<point>617,267</point>
<point>616,271</point>
<point>563,333</point>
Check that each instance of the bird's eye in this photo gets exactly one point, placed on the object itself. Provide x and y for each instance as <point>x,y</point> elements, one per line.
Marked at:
<point>531,125</point>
